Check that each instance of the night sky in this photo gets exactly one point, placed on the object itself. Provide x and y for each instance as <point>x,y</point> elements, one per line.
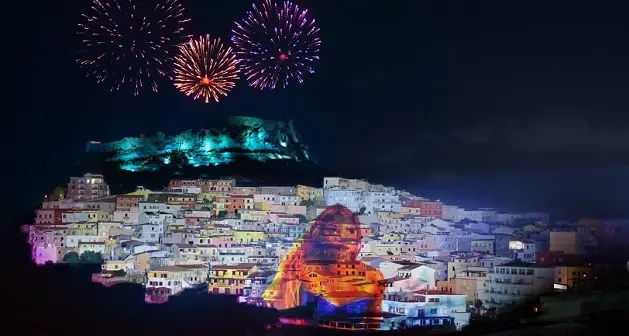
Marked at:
<point>518,105</point>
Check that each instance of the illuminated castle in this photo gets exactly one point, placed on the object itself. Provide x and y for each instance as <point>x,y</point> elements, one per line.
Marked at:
<point>242,137</point>
<point>323,268</point>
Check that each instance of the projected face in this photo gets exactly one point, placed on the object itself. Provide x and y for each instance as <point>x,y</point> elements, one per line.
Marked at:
<point>334,233</point>
<point>332,242</point>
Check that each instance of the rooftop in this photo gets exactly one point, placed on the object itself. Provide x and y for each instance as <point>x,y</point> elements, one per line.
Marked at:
<point>233,267</point>
<point>170,269</point>
<point>519,263</point>
<point>433,292</point>
<point>193,266</point>
<point>185,245</point>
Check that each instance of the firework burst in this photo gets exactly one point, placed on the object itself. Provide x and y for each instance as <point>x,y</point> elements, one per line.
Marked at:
<point>130,42</point>
<point>205,68</point>
<point>276,44</point>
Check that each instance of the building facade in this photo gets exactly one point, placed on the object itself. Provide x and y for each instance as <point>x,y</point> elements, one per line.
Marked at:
<point>87,187</point>
<point>512,284</point>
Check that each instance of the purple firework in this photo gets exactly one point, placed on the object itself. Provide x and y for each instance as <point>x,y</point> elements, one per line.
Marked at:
<point>276,44</point>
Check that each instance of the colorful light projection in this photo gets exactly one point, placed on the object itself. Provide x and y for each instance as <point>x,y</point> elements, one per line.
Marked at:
<point>322,267</point>
<point>44,254</point>
<point>252,138</point>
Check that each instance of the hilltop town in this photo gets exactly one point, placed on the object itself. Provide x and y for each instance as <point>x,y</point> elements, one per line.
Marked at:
<point>441,263</point>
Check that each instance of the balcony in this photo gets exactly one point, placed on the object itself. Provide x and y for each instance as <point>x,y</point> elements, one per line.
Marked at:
<point>501,281</point>
<point>509,281</point>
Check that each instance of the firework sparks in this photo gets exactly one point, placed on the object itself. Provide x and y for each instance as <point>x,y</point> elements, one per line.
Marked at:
<point>130,42</point>
<point>276,44</point>
<point>205,68</point>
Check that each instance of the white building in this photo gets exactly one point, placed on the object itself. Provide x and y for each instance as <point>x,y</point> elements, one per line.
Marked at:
<point>389,269</point>
<point>381,201</point>
<point>514,283</point>
<point>343,183</point>
<point>127,216</point>
<point>489,261</point>
<point>73,241</point>
<point>421,272</point>
<point>45,216</point>
<point>87,187</point>
<point>43,253</point>
<point>61,204</point>
<point>446,242</point>
<point>185,190</point>
<point>488,215</point>
<point>477,227</point>
<point>159,207</point>
<point>428,308</point>
<point>108,205</point>
<point>266,198</point>
<point>450,212</point>
<point>352,199</point>
<point>92,246</point>
<point>161,219</point>
<point>291,200</point>
<point>524,250</point>
<point>507,218</point>
<point>278,190</point>
<point>171,277</point>
<point>475,215</point>
<point>105,229</point>
<point>75,217</point>
<point>150,233</point>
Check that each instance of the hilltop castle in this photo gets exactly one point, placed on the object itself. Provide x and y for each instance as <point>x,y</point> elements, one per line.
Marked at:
<point>243,137</point>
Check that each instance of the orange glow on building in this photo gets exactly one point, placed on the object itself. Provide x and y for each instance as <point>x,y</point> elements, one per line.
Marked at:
<point>323,264</point>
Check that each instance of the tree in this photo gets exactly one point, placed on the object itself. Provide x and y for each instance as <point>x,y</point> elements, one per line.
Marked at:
<point>302,218</point>
<point>153,161</point>
<point>362,211</point>
<point>71,258</point>
<point>90,257</point>
<point>307,202</point>
<point>178,158</point>
<point>58,193</point>
<point>222,214</point>
<point>478,304</point>
<point>402,325</point>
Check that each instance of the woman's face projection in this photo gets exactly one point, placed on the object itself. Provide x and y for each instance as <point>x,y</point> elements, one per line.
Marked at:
<point>333,234</point>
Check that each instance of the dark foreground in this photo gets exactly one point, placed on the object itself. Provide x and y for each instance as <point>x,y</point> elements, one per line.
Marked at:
<point>61,300</point>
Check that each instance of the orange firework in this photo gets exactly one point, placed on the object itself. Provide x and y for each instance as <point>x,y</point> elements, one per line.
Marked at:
<point>205,68</point>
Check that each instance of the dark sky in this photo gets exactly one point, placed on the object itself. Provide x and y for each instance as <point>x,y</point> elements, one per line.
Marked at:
<point>514,104</point>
